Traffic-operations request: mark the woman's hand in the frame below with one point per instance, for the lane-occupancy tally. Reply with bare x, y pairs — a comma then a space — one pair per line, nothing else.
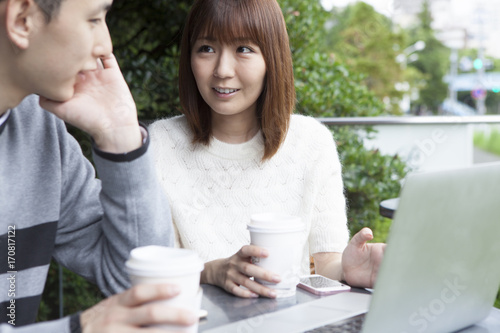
235, 272
358, 265
361, 260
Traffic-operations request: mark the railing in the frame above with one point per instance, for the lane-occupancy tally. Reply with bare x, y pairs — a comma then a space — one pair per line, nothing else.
410, 120
425, 143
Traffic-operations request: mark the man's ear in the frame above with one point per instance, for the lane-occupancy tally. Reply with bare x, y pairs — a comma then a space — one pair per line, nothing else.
22, 19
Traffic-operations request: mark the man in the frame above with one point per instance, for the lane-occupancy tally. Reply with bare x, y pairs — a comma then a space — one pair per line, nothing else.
51, 205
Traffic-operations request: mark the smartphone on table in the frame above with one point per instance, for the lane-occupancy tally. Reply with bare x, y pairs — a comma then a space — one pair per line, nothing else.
320, 285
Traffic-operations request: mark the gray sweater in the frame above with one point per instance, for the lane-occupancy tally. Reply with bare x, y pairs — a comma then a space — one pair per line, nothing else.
51, 205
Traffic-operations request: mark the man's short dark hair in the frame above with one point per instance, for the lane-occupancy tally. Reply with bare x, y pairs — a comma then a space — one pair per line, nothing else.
48, 7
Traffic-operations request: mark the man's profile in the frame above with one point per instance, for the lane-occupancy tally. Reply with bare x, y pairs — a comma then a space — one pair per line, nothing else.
51, 204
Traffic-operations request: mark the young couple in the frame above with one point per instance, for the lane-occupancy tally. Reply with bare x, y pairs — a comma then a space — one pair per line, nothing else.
237, 150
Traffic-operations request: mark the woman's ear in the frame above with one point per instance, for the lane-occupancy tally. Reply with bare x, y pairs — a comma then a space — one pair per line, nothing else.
22, 18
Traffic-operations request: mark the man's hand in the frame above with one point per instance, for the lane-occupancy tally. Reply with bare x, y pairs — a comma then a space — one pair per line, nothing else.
361, 260
102, 106
129, 311
235, 271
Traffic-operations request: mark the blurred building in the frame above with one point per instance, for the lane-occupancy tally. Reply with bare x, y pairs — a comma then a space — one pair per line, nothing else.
458, 23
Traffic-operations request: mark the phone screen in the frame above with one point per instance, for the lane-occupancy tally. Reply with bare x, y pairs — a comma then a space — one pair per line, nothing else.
320, 282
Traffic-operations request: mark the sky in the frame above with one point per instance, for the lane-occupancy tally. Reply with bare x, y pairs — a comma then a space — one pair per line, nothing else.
479, 18
382, 6
386, 7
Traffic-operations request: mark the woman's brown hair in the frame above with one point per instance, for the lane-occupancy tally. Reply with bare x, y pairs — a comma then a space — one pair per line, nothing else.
262, 22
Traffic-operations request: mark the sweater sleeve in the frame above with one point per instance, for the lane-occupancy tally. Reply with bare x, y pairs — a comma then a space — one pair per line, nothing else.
102, 220
329, 232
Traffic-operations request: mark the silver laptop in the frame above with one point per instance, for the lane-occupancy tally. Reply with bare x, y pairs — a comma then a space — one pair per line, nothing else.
441, 268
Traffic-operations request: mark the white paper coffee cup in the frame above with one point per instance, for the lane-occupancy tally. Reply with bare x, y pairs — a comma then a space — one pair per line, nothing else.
281, 236
182, 267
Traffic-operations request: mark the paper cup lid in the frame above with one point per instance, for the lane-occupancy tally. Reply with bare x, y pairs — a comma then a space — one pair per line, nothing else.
275, 222
161, 261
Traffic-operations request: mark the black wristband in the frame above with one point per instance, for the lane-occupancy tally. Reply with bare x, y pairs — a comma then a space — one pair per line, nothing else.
126, 157
74, 323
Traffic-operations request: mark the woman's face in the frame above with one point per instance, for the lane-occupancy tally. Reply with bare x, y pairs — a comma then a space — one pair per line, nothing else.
230, 77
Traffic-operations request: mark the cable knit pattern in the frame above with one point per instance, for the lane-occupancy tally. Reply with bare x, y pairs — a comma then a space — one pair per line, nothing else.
214, 189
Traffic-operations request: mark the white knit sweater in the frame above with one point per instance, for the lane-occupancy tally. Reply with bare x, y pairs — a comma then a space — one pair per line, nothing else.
214, 189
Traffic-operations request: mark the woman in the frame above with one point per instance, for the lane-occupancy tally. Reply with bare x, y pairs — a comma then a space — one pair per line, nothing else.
238, 150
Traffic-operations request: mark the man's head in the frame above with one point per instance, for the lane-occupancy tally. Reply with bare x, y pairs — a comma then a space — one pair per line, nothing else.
45, 44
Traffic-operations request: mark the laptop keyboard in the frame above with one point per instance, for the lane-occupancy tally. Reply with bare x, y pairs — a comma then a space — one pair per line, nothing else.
351, 325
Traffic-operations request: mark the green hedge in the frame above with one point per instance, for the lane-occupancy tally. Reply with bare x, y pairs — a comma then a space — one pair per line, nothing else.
488, 141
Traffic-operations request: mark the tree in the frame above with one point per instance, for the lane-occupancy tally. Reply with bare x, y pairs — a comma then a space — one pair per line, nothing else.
365, 41
433, 62
327, 87
146, 38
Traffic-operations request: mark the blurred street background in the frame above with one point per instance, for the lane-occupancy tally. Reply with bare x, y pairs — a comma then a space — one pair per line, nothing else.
467, 29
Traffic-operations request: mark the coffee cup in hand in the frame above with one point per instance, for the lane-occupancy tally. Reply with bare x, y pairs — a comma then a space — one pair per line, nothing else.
181, 267
282, 236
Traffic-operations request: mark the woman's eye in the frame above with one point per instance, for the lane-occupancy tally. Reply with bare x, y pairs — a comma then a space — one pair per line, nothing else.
244, 49
205, 49
95, 21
